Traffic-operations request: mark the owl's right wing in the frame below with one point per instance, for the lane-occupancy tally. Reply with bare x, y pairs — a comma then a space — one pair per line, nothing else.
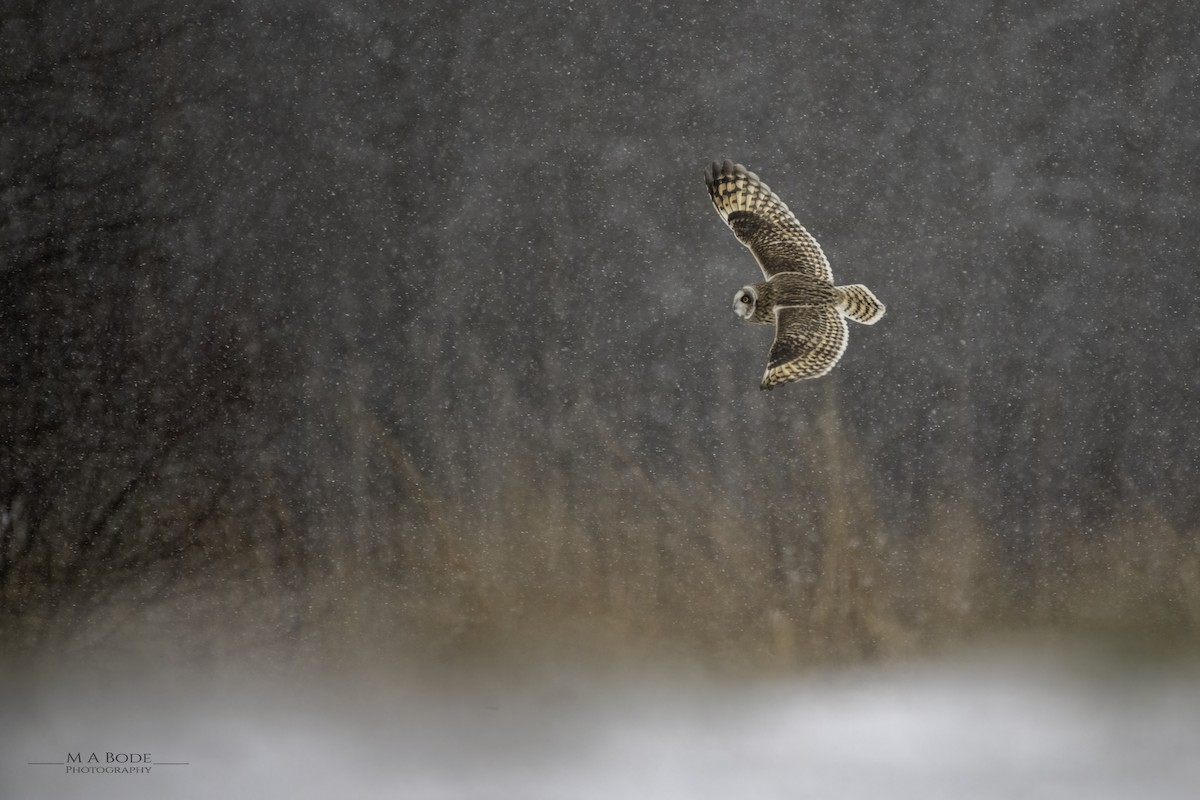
762, 222
808, 343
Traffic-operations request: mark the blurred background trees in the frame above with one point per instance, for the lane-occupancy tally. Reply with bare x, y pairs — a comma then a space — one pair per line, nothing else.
130, 388
423, 311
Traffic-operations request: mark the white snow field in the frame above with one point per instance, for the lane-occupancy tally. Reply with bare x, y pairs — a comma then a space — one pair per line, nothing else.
986, 726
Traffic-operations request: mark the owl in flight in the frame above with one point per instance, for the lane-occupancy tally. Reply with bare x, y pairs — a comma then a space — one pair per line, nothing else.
798, 296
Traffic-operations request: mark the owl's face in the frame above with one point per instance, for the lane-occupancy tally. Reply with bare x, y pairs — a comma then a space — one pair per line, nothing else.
745, 301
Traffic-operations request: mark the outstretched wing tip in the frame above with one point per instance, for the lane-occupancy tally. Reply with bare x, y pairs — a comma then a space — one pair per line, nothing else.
778, 376
763, 222
720, 169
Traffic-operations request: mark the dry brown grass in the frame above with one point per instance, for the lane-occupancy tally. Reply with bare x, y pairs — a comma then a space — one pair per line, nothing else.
653, 570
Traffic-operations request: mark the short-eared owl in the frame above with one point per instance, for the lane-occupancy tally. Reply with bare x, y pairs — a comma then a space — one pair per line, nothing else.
798, 297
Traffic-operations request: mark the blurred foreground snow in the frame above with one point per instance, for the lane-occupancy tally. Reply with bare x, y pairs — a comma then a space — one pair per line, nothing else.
988, 726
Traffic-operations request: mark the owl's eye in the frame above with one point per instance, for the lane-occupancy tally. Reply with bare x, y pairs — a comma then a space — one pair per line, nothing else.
746, 299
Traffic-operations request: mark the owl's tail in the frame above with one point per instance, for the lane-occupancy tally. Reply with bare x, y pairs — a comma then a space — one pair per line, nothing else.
857, 303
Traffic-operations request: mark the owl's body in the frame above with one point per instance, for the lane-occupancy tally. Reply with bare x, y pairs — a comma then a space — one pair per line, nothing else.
758, 302
799, 297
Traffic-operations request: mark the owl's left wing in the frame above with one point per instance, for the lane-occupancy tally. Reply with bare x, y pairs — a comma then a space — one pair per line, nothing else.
762, 222
808, 343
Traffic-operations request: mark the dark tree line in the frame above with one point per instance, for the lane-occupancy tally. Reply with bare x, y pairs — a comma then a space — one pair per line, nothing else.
126, 389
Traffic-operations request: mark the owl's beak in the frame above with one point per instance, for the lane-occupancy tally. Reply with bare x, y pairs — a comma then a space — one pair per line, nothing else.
740, 308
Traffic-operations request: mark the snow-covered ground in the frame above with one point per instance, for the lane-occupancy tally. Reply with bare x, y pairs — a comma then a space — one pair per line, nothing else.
986, 726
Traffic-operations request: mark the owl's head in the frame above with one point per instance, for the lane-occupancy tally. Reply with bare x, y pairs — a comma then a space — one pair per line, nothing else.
745, 301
